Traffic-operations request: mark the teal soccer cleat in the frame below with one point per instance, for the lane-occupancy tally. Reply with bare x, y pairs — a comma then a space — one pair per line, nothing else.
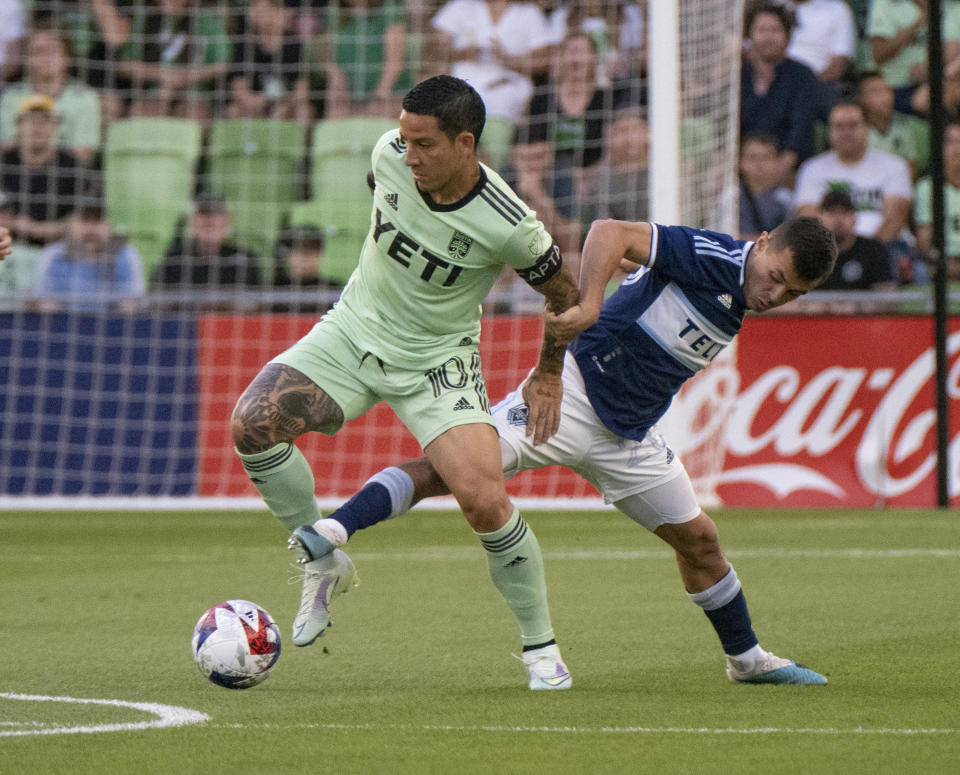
771, 669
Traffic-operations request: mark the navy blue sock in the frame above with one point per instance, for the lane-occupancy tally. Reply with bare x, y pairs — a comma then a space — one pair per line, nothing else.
732, 623
368, 507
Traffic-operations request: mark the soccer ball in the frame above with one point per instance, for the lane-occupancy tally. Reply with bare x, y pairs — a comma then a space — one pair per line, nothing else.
236, 644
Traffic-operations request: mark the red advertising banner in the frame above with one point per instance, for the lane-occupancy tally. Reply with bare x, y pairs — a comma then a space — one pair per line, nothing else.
800, 412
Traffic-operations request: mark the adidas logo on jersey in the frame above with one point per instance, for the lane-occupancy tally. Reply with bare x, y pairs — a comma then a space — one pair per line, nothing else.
462, 404
725, 299
391, 199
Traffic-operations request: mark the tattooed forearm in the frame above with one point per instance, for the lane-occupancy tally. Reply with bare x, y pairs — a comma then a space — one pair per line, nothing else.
278, 406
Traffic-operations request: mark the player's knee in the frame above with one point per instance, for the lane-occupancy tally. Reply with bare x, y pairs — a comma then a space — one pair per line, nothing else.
699, 542
252, 431
486, 510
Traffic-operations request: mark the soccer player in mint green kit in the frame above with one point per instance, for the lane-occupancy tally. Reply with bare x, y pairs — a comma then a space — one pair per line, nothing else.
406, 331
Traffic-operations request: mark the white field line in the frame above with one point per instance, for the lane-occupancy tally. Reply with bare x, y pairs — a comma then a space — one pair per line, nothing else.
165, 716
629, 730
462, 552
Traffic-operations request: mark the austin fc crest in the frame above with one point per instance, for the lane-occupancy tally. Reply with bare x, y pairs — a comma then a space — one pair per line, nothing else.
459, 246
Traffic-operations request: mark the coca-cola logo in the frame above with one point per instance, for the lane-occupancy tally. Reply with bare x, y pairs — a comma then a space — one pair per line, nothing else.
838, 428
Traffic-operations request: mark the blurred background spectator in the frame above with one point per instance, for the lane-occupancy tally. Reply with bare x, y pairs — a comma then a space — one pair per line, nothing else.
298, 268
366, 57
204, 257
91, 270
496, 45
764, 203
824, 39
176, 54
76, 104
39, 180
617, 30
890, 130
562, 140
877, 182
778, 96
619, 188
951, 204
266, 78
13, 26
862, 263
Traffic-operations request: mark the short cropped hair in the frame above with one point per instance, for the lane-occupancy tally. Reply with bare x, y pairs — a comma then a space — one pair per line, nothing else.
812, 244
452, 101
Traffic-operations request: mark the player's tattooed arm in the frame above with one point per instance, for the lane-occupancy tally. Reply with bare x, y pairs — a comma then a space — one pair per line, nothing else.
543, 391
278, 406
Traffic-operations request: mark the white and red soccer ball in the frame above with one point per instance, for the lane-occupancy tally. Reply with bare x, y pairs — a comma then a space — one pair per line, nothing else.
236, 644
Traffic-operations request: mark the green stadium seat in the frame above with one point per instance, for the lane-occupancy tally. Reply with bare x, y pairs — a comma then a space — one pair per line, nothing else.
256, 165
340, 156
256, 160
149, 172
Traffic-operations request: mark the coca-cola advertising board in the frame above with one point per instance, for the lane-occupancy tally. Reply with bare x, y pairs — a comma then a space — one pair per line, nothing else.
820, 412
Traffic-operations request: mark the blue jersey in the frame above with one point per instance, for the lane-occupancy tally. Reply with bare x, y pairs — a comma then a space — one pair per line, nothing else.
667, 321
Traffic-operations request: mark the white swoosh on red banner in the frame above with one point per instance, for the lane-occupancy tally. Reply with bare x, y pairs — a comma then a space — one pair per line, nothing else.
782, 478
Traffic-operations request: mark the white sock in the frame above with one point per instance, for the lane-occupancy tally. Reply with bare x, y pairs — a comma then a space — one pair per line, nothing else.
332, 530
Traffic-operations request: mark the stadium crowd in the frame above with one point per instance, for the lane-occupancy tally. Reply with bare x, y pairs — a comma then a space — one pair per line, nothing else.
155, 146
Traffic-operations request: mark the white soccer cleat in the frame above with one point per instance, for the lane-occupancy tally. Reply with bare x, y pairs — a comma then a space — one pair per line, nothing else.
546, 670
771, 669
323, 580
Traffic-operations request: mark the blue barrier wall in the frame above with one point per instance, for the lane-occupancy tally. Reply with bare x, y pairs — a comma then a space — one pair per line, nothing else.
98, 405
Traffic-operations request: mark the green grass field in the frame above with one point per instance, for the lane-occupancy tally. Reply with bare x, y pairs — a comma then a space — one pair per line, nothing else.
417, 675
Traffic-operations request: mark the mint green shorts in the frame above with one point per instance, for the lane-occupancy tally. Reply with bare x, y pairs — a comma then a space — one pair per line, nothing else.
428, 402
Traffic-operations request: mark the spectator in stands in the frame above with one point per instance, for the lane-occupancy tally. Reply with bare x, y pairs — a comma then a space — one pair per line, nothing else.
922, 205
497, 46
176, 55
562, 140
620, 189
204, 258
878, 182
778, 96
91, 270
17, 267
764, 204
824, 39
266, 78
890, 130
13, 26
617, 30
862, 263
898, 40
39, 180
299, 258
76, 104
367, 45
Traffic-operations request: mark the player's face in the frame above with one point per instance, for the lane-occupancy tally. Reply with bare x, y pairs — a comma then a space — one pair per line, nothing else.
770, 279
437, 162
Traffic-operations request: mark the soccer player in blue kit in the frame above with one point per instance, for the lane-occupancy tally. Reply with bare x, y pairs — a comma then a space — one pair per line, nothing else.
682, 303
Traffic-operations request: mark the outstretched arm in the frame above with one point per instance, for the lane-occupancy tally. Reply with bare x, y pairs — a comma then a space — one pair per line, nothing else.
608, 244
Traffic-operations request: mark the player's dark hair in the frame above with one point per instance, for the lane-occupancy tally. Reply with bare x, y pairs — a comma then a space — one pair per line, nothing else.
812, 244
452, 101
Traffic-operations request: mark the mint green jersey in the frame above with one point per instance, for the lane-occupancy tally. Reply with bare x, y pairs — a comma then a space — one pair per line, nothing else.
922, 212
425, 268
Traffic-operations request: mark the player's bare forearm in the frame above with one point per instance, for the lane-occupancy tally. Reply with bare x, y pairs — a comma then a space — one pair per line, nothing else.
543, 391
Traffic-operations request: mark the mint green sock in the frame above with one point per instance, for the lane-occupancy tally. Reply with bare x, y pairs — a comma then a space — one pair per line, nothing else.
516, 567
284, 479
